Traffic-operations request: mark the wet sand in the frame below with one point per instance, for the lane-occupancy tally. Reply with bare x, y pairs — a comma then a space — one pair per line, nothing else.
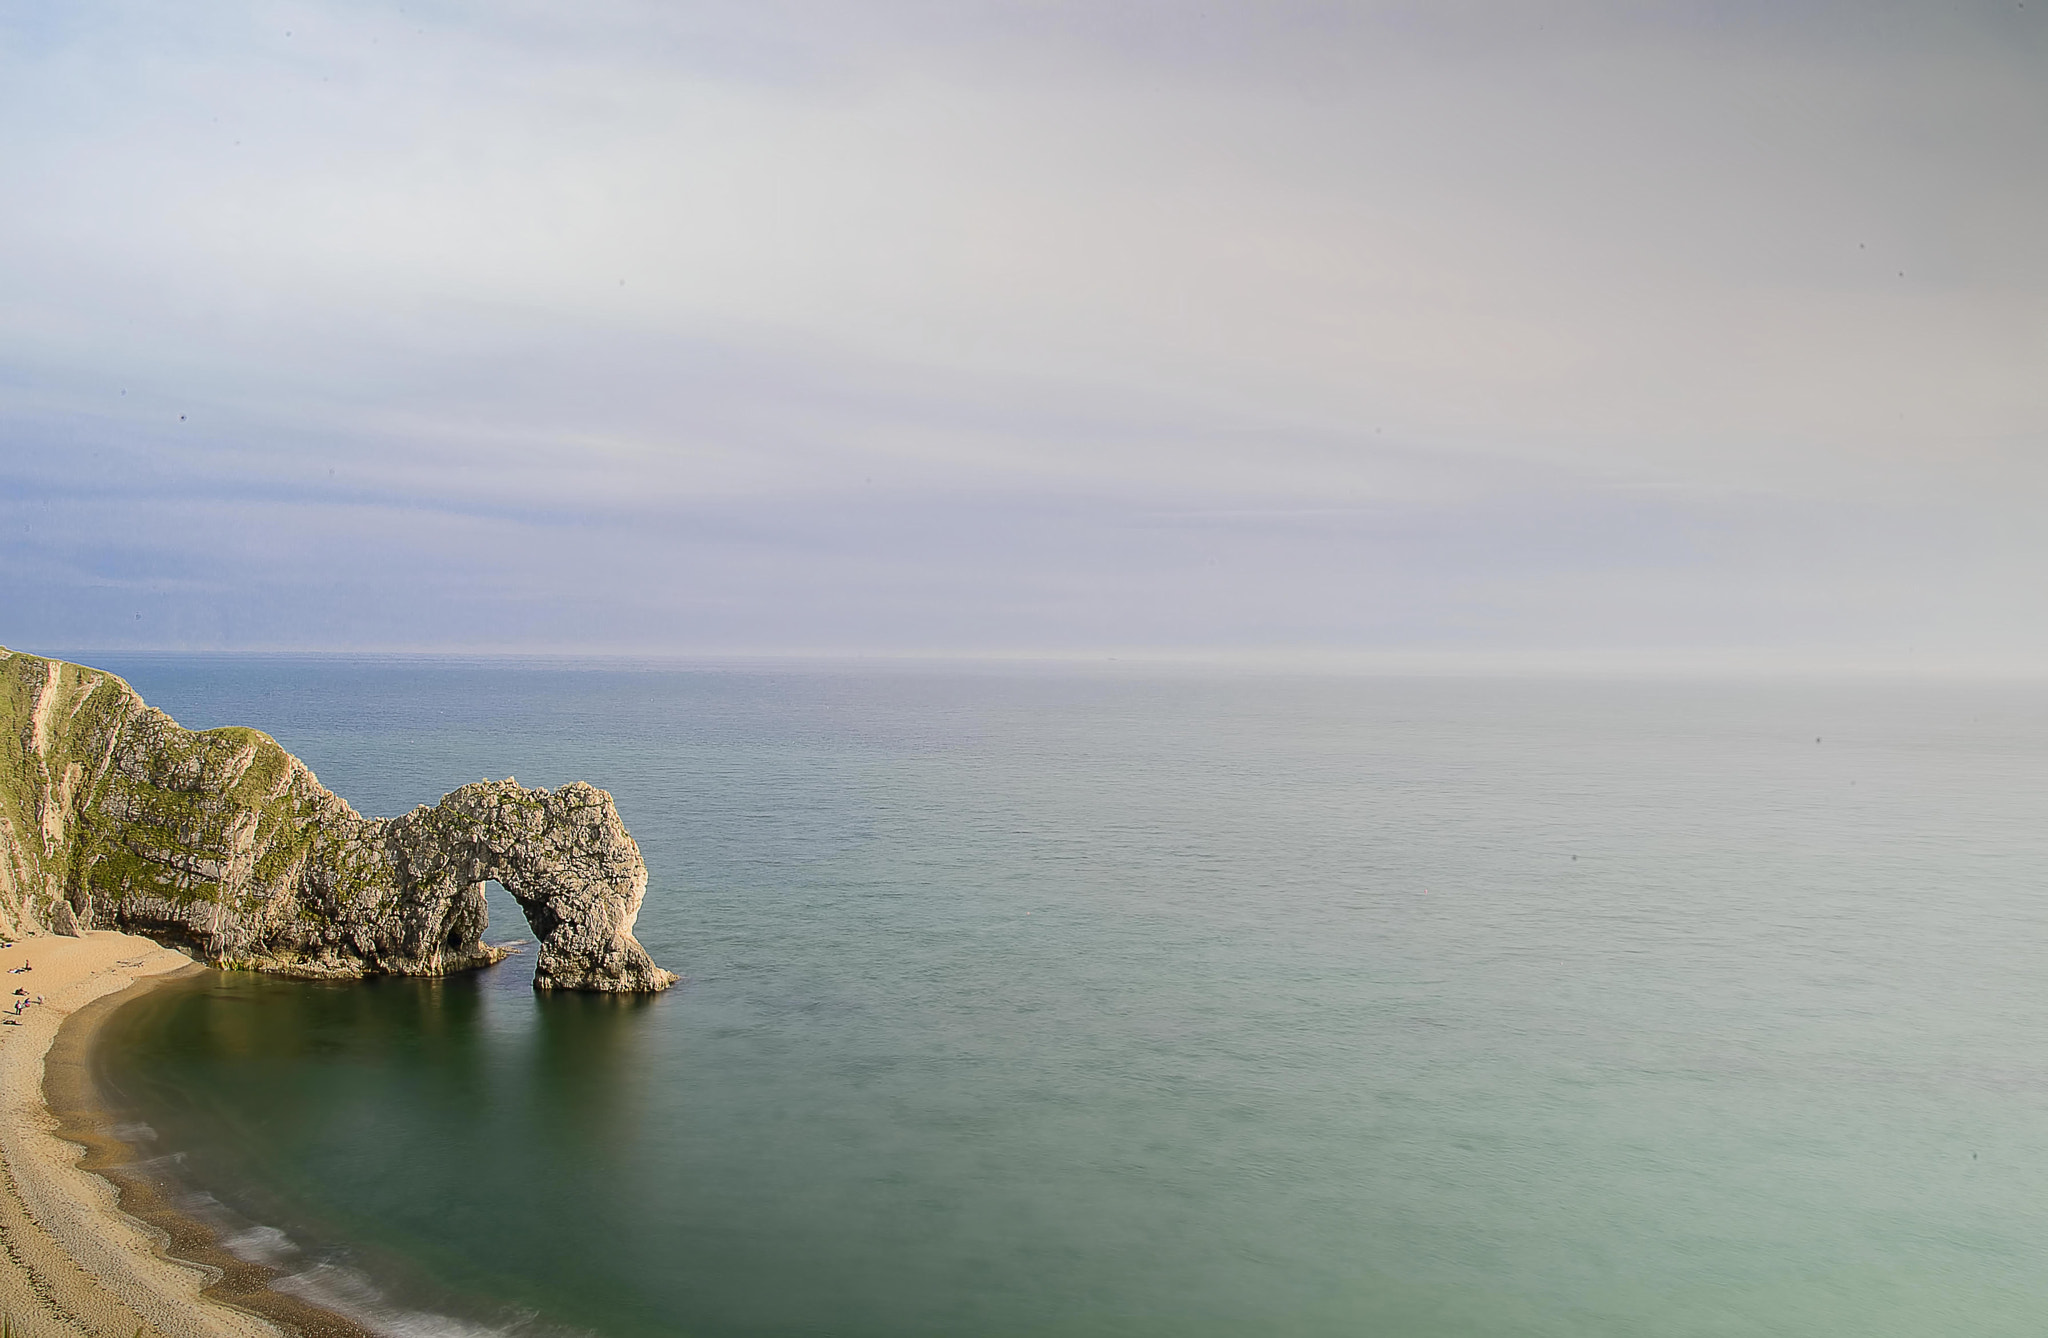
74, 1258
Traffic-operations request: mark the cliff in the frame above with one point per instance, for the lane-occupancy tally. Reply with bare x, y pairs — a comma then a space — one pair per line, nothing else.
222, 843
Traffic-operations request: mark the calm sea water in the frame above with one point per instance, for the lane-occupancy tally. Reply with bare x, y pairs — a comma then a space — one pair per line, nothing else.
1059, 1005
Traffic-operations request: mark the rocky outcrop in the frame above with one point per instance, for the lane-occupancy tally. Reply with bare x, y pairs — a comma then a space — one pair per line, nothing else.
222, 843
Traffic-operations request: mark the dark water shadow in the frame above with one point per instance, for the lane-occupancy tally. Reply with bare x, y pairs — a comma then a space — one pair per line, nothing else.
399, 1137
145, 1186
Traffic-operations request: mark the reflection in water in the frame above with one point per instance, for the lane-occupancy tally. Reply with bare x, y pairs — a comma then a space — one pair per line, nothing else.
587, 1066
269, 1094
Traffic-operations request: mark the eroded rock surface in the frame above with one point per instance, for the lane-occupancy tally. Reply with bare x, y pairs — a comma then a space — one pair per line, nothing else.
220, 842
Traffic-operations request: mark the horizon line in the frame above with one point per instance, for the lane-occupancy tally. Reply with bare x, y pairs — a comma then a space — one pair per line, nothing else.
1738, 663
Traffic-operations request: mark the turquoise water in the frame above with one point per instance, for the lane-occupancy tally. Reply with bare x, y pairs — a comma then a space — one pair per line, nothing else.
1068, 1005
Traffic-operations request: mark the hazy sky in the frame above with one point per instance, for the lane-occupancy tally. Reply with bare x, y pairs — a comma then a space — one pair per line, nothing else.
1711, 332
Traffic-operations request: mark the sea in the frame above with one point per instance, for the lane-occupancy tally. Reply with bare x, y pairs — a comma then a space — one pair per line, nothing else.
1054, 1002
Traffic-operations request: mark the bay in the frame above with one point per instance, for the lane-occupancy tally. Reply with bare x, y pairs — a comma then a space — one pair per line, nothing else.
1059, 1003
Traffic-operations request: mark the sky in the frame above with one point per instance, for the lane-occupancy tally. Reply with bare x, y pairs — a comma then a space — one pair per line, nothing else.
1694, 335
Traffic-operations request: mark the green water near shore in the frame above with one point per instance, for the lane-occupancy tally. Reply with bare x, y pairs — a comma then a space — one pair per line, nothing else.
1069, 1006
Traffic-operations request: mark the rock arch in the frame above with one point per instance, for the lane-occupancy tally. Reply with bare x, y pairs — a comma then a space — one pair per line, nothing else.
220, 842
564, 856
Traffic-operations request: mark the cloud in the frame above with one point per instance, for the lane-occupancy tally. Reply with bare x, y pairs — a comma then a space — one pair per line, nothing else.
1033, 276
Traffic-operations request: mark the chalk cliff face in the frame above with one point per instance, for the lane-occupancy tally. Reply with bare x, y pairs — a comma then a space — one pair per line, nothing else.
222, 843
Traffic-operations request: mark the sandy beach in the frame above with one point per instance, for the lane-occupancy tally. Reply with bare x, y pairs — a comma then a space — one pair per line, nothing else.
73, 1263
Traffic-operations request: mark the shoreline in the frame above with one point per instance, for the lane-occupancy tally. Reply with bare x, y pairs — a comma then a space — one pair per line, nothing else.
90, 1246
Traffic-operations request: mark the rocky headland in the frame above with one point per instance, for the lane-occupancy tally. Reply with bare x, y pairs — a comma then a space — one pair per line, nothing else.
222, 844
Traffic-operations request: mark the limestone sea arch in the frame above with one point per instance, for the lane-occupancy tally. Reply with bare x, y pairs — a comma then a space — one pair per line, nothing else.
220, 842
